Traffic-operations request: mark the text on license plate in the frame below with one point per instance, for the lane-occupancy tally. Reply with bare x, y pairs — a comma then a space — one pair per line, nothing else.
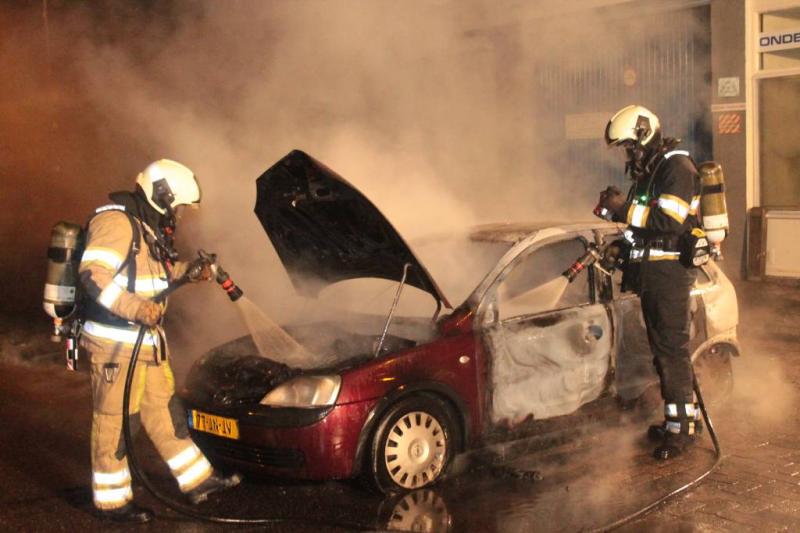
216, 425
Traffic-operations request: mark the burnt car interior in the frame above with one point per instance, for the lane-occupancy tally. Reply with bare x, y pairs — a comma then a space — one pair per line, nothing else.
550, 343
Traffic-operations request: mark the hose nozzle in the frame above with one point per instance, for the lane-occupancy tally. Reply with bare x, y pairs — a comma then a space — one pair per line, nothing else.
222, 277
588, 259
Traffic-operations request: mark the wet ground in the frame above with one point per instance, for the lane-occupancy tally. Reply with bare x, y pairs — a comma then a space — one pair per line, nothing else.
595, 475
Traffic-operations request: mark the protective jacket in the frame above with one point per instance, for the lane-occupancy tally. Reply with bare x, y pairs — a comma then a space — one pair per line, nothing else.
661, 208
119, 274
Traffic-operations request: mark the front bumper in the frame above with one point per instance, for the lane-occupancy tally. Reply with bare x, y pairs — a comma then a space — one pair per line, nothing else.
299, 443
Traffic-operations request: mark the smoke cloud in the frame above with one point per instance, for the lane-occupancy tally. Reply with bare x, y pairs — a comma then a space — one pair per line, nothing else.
445, 114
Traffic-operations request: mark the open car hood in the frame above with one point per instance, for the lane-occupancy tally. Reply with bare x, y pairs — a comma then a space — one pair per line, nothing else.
323, 228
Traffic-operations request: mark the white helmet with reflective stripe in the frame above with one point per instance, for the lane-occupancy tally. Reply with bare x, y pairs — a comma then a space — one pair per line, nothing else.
633, 123
167, 184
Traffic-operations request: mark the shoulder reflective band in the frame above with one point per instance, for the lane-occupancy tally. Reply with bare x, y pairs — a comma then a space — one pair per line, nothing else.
110, 207
674, 206
676, 152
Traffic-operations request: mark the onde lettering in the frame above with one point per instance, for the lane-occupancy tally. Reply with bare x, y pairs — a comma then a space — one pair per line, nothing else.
778, 40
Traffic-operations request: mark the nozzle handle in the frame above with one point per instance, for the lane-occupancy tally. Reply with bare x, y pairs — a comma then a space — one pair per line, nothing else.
581, 263
222, 277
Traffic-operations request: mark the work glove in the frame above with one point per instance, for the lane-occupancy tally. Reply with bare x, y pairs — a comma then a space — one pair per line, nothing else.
199, 270
149, 313
613, 200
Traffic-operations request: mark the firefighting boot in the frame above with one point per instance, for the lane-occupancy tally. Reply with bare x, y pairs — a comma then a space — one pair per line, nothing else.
130, 513
679, 431
215, 483
656, 432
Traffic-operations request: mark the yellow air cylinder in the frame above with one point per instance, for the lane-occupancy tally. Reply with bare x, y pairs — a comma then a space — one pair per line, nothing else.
66, 244
712, 202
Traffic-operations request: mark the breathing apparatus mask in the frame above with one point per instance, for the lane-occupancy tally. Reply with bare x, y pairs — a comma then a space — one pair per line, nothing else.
637, 154
163, 197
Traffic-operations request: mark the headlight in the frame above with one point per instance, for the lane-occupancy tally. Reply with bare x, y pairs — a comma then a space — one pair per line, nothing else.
305, 391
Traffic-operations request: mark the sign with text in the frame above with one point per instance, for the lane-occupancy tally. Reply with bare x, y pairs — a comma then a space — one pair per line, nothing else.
779, 40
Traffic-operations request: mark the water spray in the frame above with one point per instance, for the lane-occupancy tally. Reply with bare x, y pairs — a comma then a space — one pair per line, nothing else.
234, 293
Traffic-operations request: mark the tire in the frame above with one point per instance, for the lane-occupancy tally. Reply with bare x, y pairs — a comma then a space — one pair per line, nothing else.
420, 510
714, 371
413, 444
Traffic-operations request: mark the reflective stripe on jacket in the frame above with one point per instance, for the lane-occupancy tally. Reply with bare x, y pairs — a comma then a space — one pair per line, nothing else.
107, 245
663, 207
116, 334
675, 196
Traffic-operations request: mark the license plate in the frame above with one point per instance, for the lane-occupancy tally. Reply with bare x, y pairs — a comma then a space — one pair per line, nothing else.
216, 425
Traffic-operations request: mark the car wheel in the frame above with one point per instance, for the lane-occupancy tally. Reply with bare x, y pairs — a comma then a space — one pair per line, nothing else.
714, 371
413, 444
420, 510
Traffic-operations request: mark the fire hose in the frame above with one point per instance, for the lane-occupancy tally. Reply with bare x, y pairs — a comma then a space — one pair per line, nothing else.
234, 293
680, 490
593, 256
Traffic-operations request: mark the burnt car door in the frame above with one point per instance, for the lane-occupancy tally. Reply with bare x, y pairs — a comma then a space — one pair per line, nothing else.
549, 340
632, 360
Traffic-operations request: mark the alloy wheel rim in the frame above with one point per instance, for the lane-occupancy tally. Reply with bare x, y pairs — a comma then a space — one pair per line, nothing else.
421, 510
415, 450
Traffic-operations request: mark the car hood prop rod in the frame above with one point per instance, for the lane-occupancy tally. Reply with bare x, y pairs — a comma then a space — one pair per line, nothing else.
391, 311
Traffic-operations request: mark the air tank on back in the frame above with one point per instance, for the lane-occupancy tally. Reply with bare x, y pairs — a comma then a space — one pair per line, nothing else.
713, 208
66, 246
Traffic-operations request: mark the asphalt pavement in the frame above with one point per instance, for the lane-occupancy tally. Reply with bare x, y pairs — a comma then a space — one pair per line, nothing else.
601, 473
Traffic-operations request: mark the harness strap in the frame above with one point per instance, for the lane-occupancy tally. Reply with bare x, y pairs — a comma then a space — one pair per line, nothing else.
96, 312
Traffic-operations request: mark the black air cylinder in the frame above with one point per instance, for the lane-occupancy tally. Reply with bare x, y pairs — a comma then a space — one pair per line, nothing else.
66, 246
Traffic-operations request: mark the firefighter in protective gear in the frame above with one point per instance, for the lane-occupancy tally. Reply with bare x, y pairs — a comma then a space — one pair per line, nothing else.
129, 258
660, 209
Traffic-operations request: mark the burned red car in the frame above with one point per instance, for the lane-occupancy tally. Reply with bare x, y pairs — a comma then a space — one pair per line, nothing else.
395, 399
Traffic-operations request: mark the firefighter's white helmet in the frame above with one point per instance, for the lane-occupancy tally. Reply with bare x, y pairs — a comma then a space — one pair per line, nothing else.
168, 184
633, 123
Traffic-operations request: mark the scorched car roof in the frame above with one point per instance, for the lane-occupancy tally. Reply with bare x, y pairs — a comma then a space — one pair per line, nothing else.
513, 232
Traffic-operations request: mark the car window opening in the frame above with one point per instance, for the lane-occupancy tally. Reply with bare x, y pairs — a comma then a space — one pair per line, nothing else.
535, 284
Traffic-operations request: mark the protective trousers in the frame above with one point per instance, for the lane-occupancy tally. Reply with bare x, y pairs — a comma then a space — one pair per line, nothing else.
154, 405
665, 288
